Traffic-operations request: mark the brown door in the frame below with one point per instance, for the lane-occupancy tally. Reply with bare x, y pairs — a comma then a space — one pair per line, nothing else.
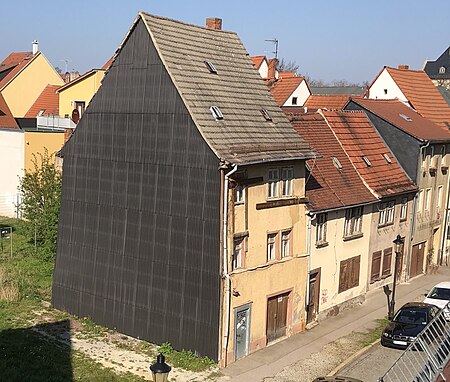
417, 256
276, 316
314, 290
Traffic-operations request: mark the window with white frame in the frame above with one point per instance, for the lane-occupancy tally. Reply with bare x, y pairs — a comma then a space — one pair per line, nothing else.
287, 176
439, 198
238, 253
239, 194
386, 214
286, 243
442, 70
273, 180
271, 246
353, 221
321, 228
427, 199
404, 209
420, 201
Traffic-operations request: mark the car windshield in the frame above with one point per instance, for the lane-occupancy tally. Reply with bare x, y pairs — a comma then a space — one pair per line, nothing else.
411, 316
439, 294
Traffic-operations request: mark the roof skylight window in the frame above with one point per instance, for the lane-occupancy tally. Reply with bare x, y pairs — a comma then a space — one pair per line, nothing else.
405, 117
385, 156
367, 161
217, 114
266, 114
336, 163
211, 67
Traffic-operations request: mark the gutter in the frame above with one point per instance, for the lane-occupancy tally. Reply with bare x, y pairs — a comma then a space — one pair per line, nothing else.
225, 274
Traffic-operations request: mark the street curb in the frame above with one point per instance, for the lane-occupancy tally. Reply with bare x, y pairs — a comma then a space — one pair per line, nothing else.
352, 358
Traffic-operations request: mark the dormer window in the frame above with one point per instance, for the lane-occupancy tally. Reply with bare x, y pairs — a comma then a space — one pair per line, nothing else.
367, 161
210, 67
217, 114
266, 115
442, 70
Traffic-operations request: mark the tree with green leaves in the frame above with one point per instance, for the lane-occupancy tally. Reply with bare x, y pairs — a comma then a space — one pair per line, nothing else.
40, 191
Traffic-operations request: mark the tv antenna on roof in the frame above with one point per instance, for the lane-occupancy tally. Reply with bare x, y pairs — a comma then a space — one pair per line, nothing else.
66, 61
275, 42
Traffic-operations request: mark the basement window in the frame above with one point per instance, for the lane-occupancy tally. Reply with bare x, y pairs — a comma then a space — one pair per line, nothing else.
405, 117
336, 163
266, 115
385, 156
217, 114
210, 67
367, 161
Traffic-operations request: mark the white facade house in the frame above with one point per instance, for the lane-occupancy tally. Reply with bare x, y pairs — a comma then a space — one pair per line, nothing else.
384, 87
298, 96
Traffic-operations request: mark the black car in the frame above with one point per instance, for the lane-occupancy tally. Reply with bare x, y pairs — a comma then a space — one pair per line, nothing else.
407, 323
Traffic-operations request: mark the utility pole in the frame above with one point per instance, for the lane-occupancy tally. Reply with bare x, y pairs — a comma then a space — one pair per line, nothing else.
66, 62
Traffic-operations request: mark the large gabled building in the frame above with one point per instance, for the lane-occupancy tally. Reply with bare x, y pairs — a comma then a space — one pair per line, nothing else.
183, 202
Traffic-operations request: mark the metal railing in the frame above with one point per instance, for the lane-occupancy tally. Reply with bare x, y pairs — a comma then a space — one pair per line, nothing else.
426, 356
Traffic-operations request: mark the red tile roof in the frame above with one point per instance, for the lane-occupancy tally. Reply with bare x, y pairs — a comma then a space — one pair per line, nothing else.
257, 60
48, 101
7, 121
284, 87
360, 139
414, 124
108, 63
327, 187
12, 62
286, 74
422, 94
327, 101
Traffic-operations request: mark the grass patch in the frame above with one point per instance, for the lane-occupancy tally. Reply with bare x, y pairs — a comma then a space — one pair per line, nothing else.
373, 335
185, 359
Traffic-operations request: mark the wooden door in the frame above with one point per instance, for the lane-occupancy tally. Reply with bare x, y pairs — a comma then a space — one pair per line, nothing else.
277, 316
417, 257
314, 292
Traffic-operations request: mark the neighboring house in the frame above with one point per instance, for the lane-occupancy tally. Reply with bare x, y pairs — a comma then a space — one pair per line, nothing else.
23, 77
357, 206
262, 65
336, 90
422, 148
290, 91
439, 70
326, 101
415, 89
183, 200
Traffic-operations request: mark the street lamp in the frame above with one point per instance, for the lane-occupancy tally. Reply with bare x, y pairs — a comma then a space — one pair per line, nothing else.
398, 242
160, 370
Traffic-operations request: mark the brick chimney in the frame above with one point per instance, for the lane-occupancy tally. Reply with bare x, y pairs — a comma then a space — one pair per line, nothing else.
214, 23
403, 67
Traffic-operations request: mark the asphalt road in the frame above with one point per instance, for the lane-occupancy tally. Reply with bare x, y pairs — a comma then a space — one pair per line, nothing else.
372, 364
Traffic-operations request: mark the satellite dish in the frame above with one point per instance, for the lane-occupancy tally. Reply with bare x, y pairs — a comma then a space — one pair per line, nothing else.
75, 116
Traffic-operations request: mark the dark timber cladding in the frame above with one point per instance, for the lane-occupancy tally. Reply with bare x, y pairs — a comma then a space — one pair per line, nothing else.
138, 244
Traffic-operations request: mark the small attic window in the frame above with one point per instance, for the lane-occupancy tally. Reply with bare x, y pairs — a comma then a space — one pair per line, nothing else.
367, 161
217, 114
336, 163
210, 67
385, 156
266, 115
405, 117
294, 100
441, 70
385, 91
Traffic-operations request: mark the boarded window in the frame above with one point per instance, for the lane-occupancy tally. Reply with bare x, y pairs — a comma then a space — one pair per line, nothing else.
387, 261
376, 266
349, 273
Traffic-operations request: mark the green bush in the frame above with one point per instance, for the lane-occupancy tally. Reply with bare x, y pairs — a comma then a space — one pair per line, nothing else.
184, 359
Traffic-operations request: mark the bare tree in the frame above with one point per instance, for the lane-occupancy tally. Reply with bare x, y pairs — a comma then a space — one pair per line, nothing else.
287, 66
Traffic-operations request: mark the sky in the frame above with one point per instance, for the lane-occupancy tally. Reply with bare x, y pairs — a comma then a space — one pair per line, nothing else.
328, 39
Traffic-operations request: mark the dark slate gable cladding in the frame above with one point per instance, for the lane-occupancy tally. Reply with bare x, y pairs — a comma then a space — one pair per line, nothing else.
432, 67
138, 243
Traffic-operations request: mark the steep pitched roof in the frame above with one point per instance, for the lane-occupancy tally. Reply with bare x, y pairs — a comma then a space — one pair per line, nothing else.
7, 121
15, 63
369, 154
243, 135
328, 187
258, 60
432, 68
403, 117
48, 102
284, 87
421, 94
327, 101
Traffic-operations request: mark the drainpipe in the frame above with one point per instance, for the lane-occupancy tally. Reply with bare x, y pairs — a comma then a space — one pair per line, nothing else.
225, 275
445, 230
311, 218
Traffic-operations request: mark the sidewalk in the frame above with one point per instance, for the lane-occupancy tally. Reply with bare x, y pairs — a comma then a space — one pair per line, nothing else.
273, 359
